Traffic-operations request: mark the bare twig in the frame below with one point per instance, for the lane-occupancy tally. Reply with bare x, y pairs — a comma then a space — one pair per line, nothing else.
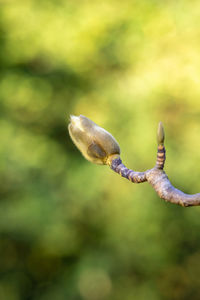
99, 146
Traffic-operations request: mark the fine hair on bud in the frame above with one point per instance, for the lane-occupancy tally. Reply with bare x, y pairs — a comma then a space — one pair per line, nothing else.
95, 143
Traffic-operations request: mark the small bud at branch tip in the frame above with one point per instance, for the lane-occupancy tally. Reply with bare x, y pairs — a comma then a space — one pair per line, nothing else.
160, 134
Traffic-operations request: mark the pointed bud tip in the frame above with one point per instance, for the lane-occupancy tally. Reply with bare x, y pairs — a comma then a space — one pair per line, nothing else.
160, 134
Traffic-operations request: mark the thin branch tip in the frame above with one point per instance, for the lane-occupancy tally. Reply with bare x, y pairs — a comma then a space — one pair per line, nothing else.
100, 147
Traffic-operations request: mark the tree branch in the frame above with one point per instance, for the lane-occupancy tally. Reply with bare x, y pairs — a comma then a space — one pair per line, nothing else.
99, 146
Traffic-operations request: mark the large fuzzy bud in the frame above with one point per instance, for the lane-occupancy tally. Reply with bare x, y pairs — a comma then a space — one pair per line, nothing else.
95, 143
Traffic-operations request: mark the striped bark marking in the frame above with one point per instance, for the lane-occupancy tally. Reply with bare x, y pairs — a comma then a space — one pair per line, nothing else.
129, 174
160, 161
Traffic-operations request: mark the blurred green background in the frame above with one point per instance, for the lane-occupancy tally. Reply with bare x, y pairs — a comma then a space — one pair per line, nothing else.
70, 229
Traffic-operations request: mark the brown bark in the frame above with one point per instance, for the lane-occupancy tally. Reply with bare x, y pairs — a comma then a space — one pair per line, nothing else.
165, 190
159, 181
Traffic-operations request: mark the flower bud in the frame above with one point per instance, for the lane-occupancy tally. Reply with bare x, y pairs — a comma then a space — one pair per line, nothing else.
94, 142
160, 134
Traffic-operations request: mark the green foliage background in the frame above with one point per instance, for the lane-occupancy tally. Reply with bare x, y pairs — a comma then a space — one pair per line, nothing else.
70, 229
